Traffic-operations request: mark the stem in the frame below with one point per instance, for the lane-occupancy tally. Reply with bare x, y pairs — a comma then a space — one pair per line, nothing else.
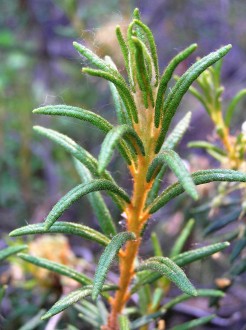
134, 224
136, 216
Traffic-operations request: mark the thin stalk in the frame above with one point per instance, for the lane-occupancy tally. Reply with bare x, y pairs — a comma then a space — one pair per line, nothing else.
136, 217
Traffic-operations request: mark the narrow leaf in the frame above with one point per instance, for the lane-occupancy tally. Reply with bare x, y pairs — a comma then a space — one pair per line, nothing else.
75, 112
112, 139
182, 238
170, 143
124, 322
232, 106
61, 227
143, 71
156, 245
79, 191
166, 267
119, 106
178, 132
9, 251
174, 162
199, 177
122, 89
194, 323
97, 203
70, 146
2, 292
146, 319
72, 298
106, 259
217, 224
152, 46
56, 267
200, 293
167, 75
182, 260
198, 254
206, 145
175, 96
238, 248
123, 46
93, 58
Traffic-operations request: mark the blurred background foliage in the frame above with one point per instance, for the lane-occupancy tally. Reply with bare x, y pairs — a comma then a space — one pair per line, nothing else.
39, 66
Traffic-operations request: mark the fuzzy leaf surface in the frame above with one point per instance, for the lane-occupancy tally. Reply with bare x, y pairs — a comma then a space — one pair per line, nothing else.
166, 267
70, 146
181, 87
182, 260
75, 112
79, 191
174, 162
198, 254
61, 227
97, 203
122, 89
166, 77
199, 177
112, 139
56, 267
106, 259
72, 298
178, 132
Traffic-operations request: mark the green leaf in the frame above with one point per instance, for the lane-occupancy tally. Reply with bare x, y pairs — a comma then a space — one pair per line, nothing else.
222, 221
70, 146
152, 46
199, 177
124, 322
182, 238
200, 98
238, 248
146, 319
34, 322
61, 227
112, 139
56, 267
200, 293
232, 106
122, 89
79, 191
9, 251
72, 298
171, 158
106, 259
123, 46
182, 260
206, 145
93, 58
97, 203
194, 323
156, 245
75, 112
122, 117
2, 292
166, 267
170, 143
178, 132
181, 87
166, 76
143, 70
198, 254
